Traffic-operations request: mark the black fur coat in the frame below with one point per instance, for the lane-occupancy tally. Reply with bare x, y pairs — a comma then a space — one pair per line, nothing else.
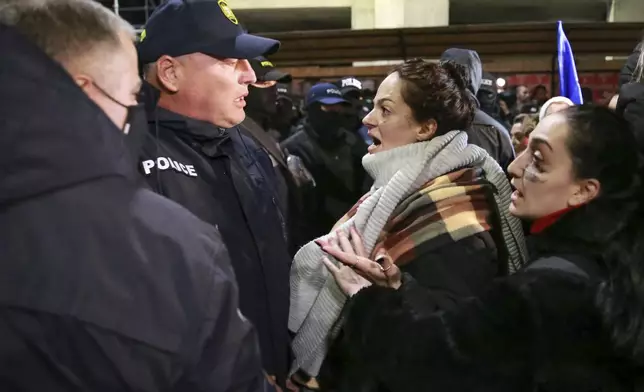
538, 330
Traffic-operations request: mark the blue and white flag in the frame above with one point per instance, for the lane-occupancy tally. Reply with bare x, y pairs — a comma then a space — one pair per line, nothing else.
568, 81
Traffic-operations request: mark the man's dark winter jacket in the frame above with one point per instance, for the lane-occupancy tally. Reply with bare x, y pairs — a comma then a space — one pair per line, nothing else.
337, 169
491, 136
626, 73
225, 179
630, 104
485, 131
104, 286
287, 191
537, 330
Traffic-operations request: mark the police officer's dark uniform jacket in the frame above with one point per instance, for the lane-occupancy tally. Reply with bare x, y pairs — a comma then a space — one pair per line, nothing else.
220, 175
260, 106
223, 177
104, 286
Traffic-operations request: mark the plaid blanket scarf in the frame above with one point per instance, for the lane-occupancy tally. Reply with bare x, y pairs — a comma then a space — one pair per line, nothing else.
445, 210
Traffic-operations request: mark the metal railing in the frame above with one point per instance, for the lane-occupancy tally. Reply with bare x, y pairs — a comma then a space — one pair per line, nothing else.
135, 14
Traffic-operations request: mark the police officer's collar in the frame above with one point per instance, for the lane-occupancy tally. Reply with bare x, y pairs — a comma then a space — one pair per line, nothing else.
196, 129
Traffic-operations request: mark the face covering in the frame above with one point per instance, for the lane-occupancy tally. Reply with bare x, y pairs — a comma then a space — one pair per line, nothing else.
284, 116
329, 126
137, 122
261, 101
353, 120
135, 125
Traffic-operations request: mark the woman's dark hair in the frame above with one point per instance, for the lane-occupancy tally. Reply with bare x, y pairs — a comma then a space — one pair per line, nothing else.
603, 147
437, 91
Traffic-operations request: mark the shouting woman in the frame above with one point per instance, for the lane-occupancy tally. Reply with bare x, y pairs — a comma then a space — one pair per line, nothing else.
438, 208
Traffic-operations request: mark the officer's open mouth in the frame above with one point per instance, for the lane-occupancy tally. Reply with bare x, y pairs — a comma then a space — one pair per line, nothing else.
241, 101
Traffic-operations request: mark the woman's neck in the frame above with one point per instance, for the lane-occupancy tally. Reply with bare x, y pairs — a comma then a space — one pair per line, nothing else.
383, 165
545, 222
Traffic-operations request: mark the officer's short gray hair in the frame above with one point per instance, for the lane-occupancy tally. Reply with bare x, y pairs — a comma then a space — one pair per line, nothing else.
66, 30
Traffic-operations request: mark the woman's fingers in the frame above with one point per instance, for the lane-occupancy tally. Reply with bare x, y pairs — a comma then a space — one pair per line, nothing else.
384, 272
333, 269
361, 264
343, 257
368, 268
385, 261
345, 244
390, 270
357, 243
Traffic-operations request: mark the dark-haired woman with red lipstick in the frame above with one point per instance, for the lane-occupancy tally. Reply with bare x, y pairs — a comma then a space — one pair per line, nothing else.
572, 320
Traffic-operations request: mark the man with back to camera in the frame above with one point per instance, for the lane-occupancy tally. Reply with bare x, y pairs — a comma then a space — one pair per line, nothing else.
104, 286
195, 59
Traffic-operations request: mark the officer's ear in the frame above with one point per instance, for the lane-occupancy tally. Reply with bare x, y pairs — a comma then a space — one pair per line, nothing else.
168, 72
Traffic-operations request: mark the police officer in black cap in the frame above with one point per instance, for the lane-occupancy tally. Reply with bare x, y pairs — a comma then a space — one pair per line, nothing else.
288, 113
263, 95
260, 112
195, 58
489, 100
351, 89
332, 154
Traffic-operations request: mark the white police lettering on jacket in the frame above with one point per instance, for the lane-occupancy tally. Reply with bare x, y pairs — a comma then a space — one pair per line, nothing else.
163, 163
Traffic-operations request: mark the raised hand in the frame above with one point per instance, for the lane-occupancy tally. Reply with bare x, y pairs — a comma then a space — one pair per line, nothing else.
358, 271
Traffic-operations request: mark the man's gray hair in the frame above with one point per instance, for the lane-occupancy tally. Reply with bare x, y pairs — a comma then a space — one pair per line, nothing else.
65, 30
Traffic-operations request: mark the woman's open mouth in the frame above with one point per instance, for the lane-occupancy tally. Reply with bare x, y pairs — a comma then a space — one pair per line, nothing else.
516, 195
374, 146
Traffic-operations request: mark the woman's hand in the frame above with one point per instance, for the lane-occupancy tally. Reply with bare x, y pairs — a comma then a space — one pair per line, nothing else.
349, 280
358, 271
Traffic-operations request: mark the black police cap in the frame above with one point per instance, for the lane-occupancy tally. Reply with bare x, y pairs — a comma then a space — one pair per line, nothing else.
180, 27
